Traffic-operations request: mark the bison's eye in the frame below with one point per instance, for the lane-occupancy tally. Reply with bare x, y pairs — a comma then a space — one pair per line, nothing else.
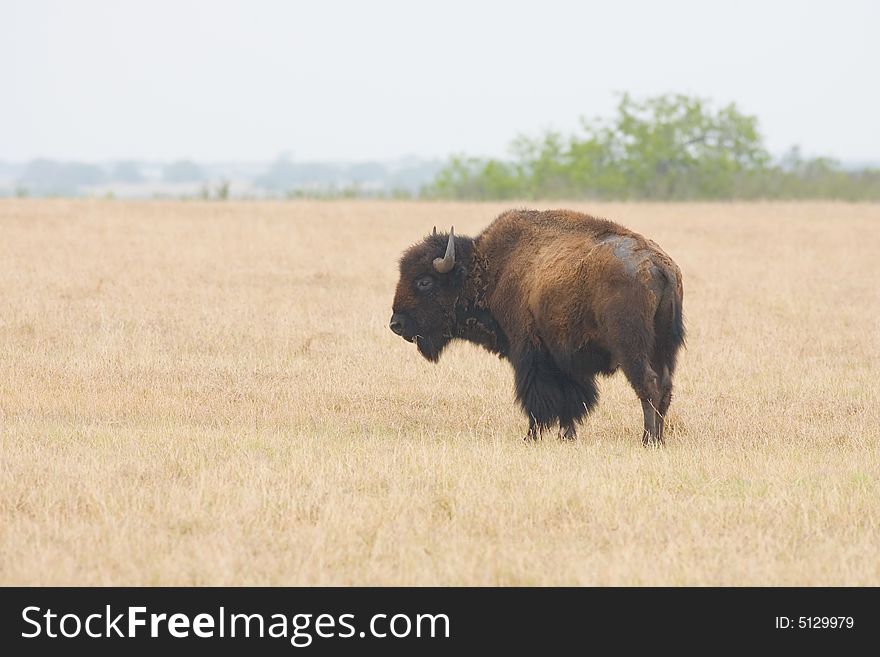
424, 283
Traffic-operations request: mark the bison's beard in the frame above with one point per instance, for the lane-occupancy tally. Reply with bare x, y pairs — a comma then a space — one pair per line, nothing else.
431, 346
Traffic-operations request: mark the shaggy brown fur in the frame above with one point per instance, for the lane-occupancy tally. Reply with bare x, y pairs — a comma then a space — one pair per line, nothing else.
564, 296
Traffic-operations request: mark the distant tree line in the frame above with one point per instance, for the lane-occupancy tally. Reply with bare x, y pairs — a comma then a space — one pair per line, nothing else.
62, 178
670, 147
352, 180
282, 178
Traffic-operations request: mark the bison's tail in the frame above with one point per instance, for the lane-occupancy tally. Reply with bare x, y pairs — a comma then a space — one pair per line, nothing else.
677, 330
669, 331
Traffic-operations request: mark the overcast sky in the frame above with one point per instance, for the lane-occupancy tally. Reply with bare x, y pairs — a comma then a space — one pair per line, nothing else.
249, 79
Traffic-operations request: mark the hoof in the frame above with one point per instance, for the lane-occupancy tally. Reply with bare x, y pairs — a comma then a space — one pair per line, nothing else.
569, 433
651, 441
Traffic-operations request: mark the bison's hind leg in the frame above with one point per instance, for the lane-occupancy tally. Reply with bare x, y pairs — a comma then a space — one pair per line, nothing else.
633, 347
645, 382
669, 338
665, 400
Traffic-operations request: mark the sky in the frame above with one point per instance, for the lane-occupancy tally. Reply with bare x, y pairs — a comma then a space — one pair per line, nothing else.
249, 80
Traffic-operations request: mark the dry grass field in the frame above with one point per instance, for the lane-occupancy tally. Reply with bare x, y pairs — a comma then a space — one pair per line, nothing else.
208, 393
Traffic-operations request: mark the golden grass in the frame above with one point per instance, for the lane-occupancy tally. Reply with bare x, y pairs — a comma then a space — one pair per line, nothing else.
198, 393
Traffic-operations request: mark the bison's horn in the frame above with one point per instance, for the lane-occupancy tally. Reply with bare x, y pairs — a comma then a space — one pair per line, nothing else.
445, 264
435, 230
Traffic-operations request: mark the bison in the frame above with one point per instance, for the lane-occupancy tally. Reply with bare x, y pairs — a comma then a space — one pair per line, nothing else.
563, 296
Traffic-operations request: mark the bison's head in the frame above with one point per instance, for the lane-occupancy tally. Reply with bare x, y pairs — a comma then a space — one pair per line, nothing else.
432, 274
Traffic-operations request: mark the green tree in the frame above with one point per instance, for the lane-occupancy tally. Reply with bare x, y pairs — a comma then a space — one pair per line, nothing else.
671, 146
678, 147
471, 178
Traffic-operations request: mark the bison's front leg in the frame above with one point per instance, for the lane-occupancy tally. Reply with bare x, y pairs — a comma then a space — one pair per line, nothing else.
548, 394
567, 431
534, 431
536, 389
